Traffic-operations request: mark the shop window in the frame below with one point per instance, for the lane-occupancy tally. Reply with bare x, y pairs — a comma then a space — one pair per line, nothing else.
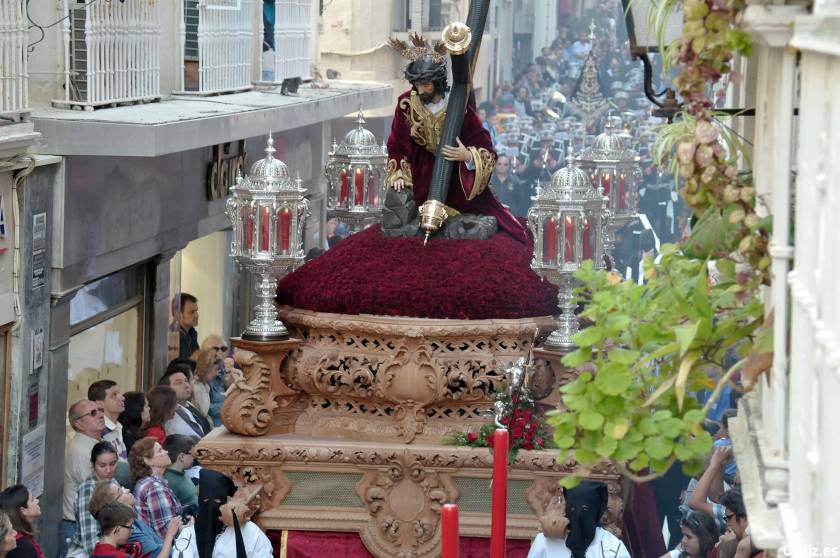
110, 350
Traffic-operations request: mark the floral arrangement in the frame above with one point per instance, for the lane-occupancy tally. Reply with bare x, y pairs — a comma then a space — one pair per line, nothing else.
522, 419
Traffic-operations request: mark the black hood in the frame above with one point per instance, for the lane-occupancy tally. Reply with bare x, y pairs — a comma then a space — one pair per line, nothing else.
214, 489
585, 505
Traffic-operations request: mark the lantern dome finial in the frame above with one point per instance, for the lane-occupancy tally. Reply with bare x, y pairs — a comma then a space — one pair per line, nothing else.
269, 173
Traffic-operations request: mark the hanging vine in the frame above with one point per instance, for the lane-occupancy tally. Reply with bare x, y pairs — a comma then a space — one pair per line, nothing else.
697, 321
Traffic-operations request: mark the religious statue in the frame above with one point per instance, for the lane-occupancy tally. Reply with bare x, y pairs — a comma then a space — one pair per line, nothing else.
578, 534
416, 135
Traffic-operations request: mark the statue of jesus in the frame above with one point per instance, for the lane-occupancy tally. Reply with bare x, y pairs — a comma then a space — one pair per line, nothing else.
415, 135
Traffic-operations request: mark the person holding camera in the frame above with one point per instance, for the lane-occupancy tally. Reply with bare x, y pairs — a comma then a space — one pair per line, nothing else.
155, 502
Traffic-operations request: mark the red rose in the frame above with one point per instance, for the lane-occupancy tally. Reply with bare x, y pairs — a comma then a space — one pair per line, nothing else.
528, 446
472, 437
527, 414
505, 421
516, 432
490, 441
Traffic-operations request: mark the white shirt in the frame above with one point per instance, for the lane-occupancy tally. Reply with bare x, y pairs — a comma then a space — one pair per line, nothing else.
114, 435
179, 426
257, 544
77, 468
604, 545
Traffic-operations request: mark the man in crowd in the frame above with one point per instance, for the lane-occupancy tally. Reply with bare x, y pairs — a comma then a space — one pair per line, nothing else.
108, 394
509, 189
184, 321
88, 420
187, 420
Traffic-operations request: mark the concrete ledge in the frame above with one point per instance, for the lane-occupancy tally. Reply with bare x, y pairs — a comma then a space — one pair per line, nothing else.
765, 519
181, 123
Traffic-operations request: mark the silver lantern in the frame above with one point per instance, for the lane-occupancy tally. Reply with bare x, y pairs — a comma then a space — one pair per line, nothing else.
267, 209
568, 220
355, 174
613, 166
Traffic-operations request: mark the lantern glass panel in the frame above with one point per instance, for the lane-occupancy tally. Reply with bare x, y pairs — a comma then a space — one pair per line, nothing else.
264, 214
344, 189
549, 240
589, 240
247, 227
571, 232
284, 230
372, 193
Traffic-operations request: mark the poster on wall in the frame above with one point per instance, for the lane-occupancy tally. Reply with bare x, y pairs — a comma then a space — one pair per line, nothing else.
39, 250
32, 461
3, 247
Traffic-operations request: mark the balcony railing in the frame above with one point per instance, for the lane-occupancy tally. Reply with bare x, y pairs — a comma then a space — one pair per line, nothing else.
111, 53
217, 41
14, 94
287, 56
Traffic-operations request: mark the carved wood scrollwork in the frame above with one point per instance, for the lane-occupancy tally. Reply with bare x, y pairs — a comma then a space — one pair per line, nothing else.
404, 500
258, 489
249, 402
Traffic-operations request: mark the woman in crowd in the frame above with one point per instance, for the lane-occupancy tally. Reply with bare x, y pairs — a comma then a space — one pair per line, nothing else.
204, 394
147, 542
134, 418
699, 536
23, 510
7, 535
155, 502
103, 458
162, 405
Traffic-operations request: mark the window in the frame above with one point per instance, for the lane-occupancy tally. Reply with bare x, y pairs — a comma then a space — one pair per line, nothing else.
401, 15
435, 15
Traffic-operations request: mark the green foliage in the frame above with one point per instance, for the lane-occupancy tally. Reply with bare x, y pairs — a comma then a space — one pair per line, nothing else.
650, 347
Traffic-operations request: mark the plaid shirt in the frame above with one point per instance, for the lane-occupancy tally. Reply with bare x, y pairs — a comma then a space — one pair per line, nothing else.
87, 528
155, 503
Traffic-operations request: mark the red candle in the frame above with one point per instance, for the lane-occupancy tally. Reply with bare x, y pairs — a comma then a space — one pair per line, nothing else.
248, 227
360, 187
285, 228
498, 519
569, 241
587, 241
622, 191
264, 228
449, 531
342, 197
550, 241
605, 183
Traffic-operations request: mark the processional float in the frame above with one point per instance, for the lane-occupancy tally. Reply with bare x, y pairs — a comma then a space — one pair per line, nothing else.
346, 423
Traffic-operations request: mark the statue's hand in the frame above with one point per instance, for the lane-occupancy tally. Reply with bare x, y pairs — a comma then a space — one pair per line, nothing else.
398, 185
459, 153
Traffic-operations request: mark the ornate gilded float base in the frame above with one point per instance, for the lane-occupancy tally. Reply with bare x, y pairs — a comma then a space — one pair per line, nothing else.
400, 379
389, 493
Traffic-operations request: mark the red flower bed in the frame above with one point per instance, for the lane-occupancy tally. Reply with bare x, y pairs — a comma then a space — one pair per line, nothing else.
455, 279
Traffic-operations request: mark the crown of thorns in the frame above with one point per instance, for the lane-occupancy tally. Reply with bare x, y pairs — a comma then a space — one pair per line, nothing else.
418, 48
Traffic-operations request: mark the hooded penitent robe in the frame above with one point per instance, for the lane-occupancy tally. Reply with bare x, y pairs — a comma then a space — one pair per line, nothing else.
414, 139
585, 504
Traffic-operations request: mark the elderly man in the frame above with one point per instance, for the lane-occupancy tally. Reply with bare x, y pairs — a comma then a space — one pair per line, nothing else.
87, 418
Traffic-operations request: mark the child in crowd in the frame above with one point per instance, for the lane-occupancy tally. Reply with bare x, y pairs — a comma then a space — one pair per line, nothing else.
179, 447
116, 522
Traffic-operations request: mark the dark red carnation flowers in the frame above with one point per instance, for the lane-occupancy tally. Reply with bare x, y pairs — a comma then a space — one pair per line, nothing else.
455, 279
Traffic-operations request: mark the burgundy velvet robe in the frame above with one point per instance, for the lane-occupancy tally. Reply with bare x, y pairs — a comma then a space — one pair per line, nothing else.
403, 148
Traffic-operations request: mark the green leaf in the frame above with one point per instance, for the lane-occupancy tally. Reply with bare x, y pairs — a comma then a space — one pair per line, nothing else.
648, 426
564, 442
694, 416
586, 457
640, 462
576, 402
693, 468
617, 323
663, 387
570, 481
623, 356
606, 446
672, 427
701, 443
659, 447
685, 336
588, 337
682, 452
577, 357
662, 414
575, 387
613, 379
590, 420
627, 450
682, 377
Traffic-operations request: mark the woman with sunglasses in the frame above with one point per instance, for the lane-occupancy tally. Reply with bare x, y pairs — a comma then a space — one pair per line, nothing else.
205, 397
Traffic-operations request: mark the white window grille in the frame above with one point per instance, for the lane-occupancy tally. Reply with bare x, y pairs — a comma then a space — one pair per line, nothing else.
14, 94
288, 57
216, 39
111, 52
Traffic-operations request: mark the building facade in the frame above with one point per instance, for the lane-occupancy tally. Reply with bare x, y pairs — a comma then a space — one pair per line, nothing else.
122, 130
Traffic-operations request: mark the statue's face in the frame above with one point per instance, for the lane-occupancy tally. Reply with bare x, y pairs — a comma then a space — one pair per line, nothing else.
426, 90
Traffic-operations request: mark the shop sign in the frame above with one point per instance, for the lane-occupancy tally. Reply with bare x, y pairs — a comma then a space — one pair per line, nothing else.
222, 170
